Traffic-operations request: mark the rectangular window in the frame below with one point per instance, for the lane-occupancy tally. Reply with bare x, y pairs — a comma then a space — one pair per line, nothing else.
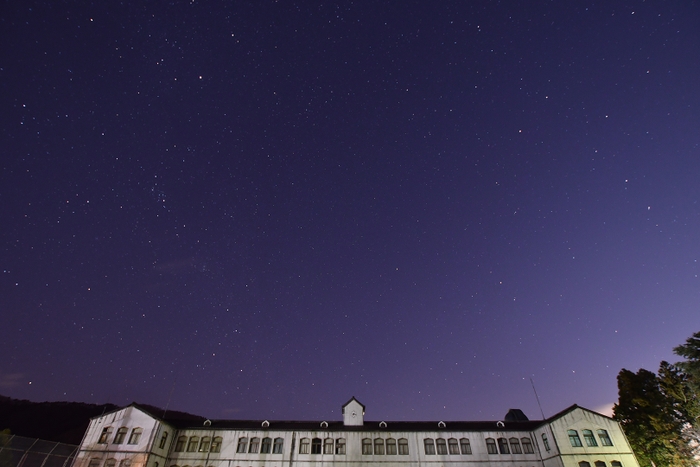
429, 446
465, 446
340, 446
121, 434
328, 446
106, 433
163, 440
604, 438
403, 447
545, 441
277, 446
589, 438
316, 446
574, 439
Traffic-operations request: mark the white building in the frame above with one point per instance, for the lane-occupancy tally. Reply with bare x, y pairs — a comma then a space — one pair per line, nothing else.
141, 436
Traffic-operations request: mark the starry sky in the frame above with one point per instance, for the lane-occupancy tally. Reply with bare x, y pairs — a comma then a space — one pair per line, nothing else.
261, 209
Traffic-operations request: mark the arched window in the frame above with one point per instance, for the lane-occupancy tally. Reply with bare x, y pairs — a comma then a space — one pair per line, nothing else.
110, 462
266, 446
180, 445
278, 446
328, 446
503, 446
599, 464
453, 446
545, 441
584, 464
589, 438
441, 446
366, 446
216, 444
515, 446
316, 446
135, 436
192, 444
429, 446
304, 444
254, 445
378, 446
491, 446
125, 463
242, 445
391, 446
574, 439
527, 445
205, 444
121, 434
604, 438
94, 462
616, 464
403, 447
340, 446
106, 434
465, 446
163, 440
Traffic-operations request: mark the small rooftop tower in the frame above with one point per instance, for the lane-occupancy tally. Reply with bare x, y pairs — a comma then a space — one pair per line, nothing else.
353, 413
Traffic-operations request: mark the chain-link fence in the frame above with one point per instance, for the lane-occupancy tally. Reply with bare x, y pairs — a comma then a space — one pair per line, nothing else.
18, 451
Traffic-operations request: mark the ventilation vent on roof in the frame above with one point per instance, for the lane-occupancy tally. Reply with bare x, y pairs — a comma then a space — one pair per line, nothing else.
382, 424
207, 422
441, 424
500, 424
324, 424
265, 424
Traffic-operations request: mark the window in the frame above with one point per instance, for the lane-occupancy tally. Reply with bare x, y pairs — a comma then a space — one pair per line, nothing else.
254, 445
328, 446
266, 446
304, 446
584, 464
574, 439
429, 446
106, 433
391, 446
378, 446
515, 446
277, 446
527, 445
366, 446
94, 462
545, 441
604, 438
135, 436
180, 445
163, 440
616, 464
589, 438
441, 446
453, 445
216, 444
125, 463
316, 446
491, 446
340, 446
599, 464
403, 447
204, 444
503, 446
121, 434
193, 443
465, 446
242, 445
110, 463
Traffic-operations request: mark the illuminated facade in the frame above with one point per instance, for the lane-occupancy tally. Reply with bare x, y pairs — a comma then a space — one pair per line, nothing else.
136, 436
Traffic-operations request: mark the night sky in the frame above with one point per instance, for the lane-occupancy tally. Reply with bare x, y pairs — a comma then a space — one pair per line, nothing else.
261, 209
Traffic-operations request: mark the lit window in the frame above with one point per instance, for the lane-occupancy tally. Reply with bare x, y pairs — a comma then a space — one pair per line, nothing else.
121, 434
254, 445
379, 446
135, 436
574, 439
453, 445
110, 463
429, 446
403, 447
604, 438
366, 446
465, 446
94, 462
328, 446
584, 464
106, 433
441, 446
527, 445
216, 444
491, 446
277, 446
266, 446
391, 446
340, 446
193, 443
180, 445
599, 464
304, 446
316, 446
590, 439
545, 441
515, 446
503, 446
242, 445
204, 444
163, 440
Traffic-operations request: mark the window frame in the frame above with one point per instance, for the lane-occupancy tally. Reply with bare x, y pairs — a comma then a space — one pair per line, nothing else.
266, 445
105, 435
528, 448
163, 440
491, 447
366, 446
391, 449
242, 446
429, 446
515, 447
403, 446
316, 446
254, 445
328, 446
574, 439
378, 444
278, 446
545, 441
135, 435
181, 444
465, 446
589, 438
216, 443
304, 445
193, 444
120, 435
605, 438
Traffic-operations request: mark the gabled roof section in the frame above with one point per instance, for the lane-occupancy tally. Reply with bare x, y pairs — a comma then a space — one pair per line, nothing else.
353, 399
173, 417
574, 407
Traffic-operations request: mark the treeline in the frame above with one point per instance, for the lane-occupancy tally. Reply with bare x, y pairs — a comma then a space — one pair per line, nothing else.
660, 412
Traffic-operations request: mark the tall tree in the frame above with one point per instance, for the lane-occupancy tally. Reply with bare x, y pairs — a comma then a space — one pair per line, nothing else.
691, 366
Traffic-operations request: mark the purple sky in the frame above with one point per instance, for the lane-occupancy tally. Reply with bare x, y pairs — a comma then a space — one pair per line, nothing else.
260, 209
